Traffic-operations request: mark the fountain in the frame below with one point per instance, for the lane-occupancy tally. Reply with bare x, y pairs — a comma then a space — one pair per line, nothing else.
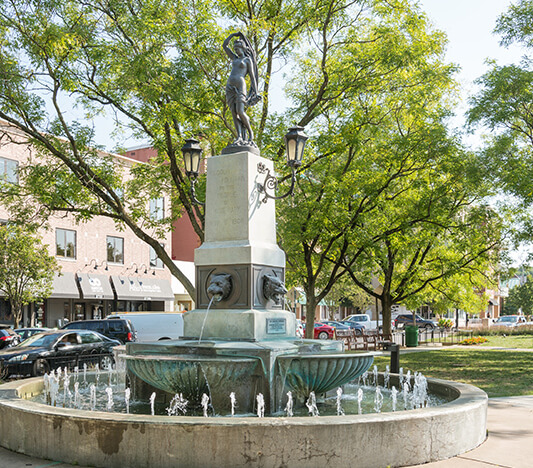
240, 341
239, 338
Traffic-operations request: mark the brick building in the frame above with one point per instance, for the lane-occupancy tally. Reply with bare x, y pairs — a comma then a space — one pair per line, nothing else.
103, 269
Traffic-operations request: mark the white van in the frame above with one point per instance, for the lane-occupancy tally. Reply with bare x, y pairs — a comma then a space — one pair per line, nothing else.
154, 326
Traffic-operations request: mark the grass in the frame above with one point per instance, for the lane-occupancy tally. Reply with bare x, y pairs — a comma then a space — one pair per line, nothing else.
510, 341
498, 372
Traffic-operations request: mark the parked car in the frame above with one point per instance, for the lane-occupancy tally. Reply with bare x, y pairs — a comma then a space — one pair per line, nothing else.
359, 329
407, 319
121, 330
511, 321
59, 348
25, 333
153, 326
8, 337
323, 331
362, 319
337, 325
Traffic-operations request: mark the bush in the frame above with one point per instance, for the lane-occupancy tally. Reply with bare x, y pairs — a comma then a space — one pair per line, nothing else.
499, 331
445, 323
474, 340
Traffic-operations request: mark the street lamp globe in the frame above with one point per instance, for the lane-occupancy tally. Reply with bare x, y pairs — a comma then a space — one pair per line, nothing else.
192, 153
295, 144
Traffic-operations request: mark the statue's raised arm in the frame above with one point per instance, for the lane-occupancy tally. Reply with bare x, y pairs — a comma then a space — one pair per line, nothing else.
243, 62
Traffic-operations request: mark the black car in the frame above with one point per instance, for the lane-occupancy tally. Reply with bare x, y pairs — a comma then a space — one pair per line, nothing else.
359, 329
59, 348
407, 319
116, 329
8, 338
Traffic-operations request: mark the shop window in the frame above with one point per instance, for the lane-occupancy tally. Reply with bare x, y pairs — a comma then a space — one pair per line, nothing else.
9, 170
65, 243
115, 249
155, 261
157, 208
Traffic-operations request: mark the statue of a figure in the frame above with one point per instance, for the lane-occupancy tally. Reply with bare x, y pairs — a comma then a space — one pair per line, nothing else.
243, 62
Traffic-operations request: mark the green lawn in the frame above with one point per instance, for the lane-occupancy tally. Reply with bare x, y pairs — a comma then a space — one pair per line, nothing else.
519, 341
497, 372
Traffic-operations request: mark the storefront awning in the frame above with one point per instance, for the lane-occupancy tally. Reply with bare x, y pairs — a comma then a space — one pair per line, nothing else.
142, 289
95, 286
64, 286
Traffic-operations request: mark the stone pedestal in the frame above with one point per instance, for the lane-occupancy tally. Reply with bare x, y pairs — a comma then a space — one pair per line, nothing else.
240, 241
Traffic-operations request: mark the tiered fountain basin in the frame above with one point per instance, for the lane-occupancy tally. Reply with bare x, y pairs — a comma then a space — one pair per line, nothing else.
104, 439
217, 368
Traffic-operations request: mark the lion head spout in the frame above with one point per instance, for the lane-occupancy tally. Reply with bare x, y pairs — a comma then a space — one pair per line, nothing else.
274, 289
220, 286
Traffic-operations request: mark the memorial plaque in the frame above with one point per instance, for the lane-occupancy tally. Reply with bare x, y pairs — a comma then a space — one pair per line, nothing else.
276, 326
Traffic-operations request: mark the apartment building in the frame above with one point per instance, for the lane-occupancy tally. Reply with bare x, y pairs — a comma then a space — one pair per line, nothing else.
103, 269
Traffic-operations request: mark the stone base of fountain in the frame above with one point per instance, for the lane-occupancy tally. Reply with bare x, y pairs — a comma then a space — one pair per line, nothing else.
108, 440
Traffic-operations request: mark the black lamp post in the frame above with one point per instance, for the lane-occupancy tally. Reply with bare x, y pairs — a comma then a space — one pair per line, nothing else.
192, 154
294, 144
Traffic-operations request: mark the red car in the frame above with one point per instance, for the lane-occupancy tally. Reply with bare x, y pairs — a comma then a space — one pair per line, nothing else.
8, 338
323, 331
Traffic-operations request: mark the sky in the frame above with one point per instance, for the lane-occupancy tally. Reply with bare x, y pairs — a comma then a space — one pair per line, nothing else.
468, 25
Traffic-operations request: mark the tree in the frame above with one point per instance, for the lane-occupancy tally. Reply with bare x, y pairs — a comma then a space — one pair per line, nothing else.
504, 106
520, 299
26, 269
390, 193
381, 127
157, 69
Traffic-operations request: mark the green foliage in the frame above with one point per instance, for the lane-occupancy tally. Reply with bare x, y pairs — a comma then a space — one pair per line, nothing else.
26, 268
520, 297
388, 194
524, 330
515, 25
504, 107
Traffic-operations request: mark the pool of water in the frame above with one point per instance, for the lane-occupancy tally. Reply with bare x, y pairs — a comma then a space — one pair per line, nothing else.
105, 391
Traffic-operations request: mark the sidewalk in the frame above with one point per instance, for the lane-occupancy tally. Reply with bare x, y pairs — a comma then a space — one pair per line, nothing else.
509, 444
510, 438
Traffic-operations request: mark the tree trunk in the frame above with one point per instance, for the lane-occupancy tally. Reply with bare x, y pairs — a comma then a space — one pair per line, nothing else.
386, 308
310, 316
16, 310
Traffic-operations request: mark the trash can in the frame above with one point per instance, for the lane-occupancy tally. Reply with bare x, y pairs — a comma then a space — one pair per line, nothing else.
411, 336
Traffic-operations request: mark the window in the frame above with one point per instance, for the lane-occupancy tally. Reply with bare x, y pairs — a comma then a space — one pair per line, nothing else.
9, 170
116, 326
115, 249
88, 337
155, 261
65, 243
157, 208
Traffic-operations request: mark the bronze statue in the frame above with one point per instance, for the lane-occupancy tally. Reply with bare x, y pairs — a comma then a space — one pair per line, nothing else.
243, 62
